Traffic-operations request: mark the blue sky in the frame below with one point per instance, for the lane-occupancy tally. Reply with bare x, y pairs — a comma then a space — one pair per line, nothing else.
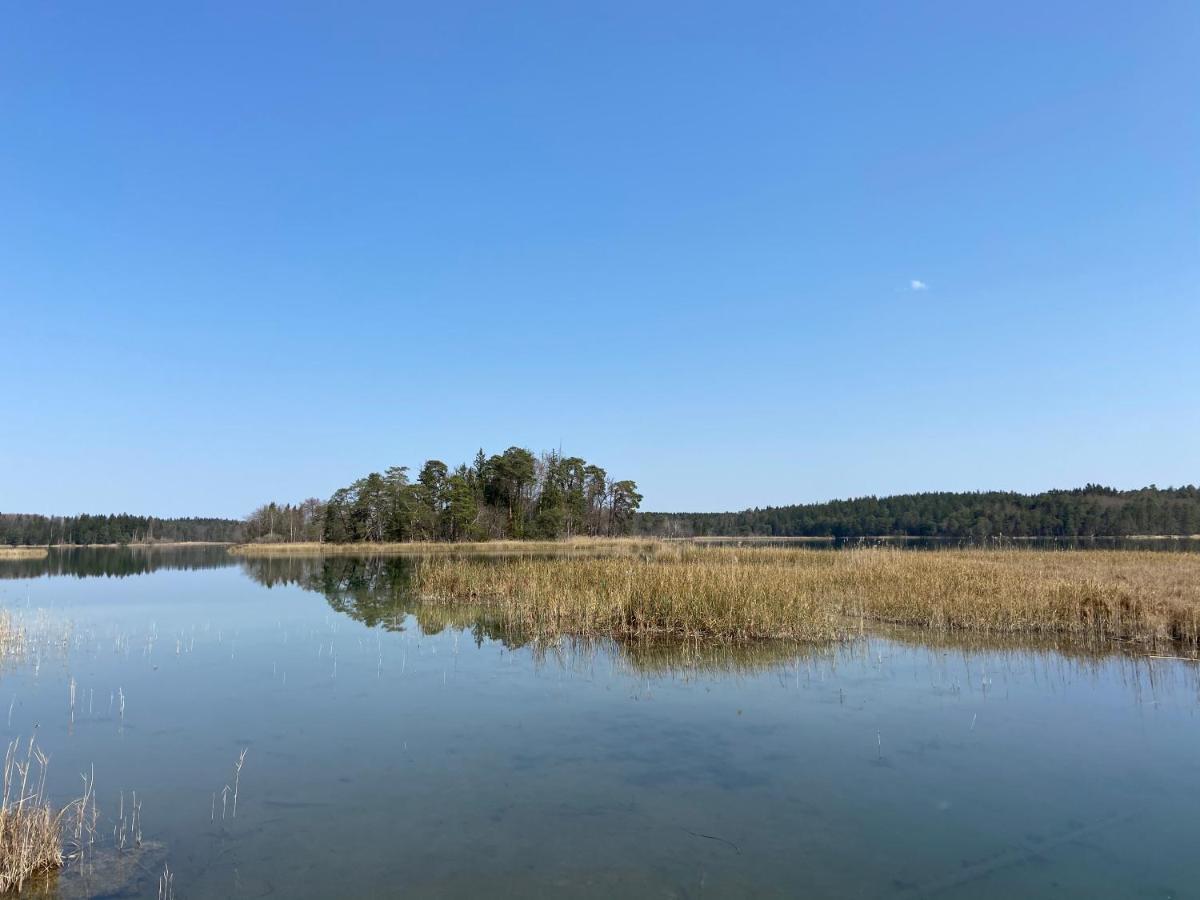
255, 250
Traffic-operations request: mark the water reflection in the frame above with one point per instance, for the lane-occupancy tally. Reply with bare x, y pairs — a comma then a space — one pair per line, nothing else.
901, 763
118, 561
376, 591
379, 592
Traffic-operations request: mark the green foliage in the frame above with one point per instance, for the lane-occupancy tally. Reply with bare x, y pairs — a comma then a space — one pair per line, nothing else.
511, 495
1090, 511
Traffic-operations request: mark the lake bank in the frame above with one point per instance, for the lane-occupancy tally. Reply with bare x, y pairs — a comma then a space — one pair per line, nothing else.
425, 548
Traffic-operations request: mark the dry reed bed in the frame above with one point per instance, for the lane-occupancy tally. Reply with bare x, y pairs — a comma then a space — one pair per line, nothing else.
30, 831
769, 592
23, 553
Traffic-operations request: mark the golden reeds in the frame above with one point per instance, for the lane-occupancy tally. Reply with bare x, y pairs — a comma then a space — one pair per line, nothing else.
773, 592
23, 553
30, 831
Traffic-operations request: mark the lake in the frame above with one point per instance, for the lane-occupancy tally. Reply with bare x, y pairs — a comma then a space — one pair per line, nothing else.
392, 750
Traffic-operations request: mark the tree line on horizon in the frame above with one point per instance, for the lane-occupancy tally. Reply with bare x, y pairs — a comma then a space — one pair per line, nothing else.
498, 497
1090, 511
513, 495
37, 530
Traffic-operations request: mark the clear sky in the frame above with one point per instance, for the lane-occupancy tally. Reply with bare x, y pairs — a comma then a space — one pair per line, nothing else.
744, 253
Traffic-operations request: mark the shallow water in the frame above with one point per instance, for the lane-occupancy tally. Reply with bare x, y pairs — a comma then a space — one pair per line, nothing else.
394, 750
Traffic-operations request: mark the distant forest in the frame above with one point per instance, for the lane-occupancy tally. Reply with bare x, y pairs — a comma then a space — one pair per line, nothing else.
517, 495
512, 495
1084, 512
21, 528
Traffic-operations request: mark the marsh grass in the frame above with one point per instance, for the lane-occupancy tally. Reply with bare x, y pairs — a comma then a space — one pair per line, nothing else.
32, 635
685, 590
23, 553
30, 831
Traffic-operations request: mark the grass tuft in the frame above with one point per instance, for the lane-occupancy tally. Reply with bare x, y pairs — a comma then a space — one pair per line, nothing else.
30, 831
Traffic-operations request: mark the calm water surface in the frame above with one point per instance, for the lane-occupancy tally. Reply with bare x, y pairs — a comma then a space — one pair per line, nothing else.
395, 751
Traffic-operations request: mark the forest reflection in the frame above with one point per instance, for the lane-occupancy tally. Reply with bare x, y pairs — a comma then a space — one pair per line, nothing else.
380, 592
118, 561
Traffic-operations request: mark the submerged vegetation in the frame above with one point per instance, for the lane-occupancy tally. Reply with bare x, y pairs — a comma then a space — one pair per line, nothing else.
740, 594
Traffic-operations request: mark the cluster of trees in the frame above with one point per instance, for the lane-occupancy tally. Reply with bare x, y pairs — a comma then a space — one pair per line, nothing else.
1090, 511
302, 522
514, 495
28, 529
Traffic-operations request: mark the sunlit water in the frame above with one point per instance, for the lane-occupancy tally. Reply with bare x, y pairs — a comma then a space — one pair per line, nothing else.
385, 760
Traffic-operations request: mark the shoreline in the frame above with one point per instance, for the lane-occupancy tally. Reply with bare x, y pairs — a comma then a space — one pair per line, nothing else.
422, 548
127, 544
323, 548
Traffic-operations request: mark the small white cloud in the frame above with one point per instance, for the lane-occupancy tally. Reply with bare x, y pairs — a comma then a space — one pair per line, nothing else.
918, 285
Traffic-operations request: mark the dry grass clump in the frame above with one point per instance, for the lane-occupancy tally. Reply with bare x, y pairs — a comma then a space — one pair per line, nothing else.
12, 637
773, 592
694, 593
426, 548
23, 553
30, 831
